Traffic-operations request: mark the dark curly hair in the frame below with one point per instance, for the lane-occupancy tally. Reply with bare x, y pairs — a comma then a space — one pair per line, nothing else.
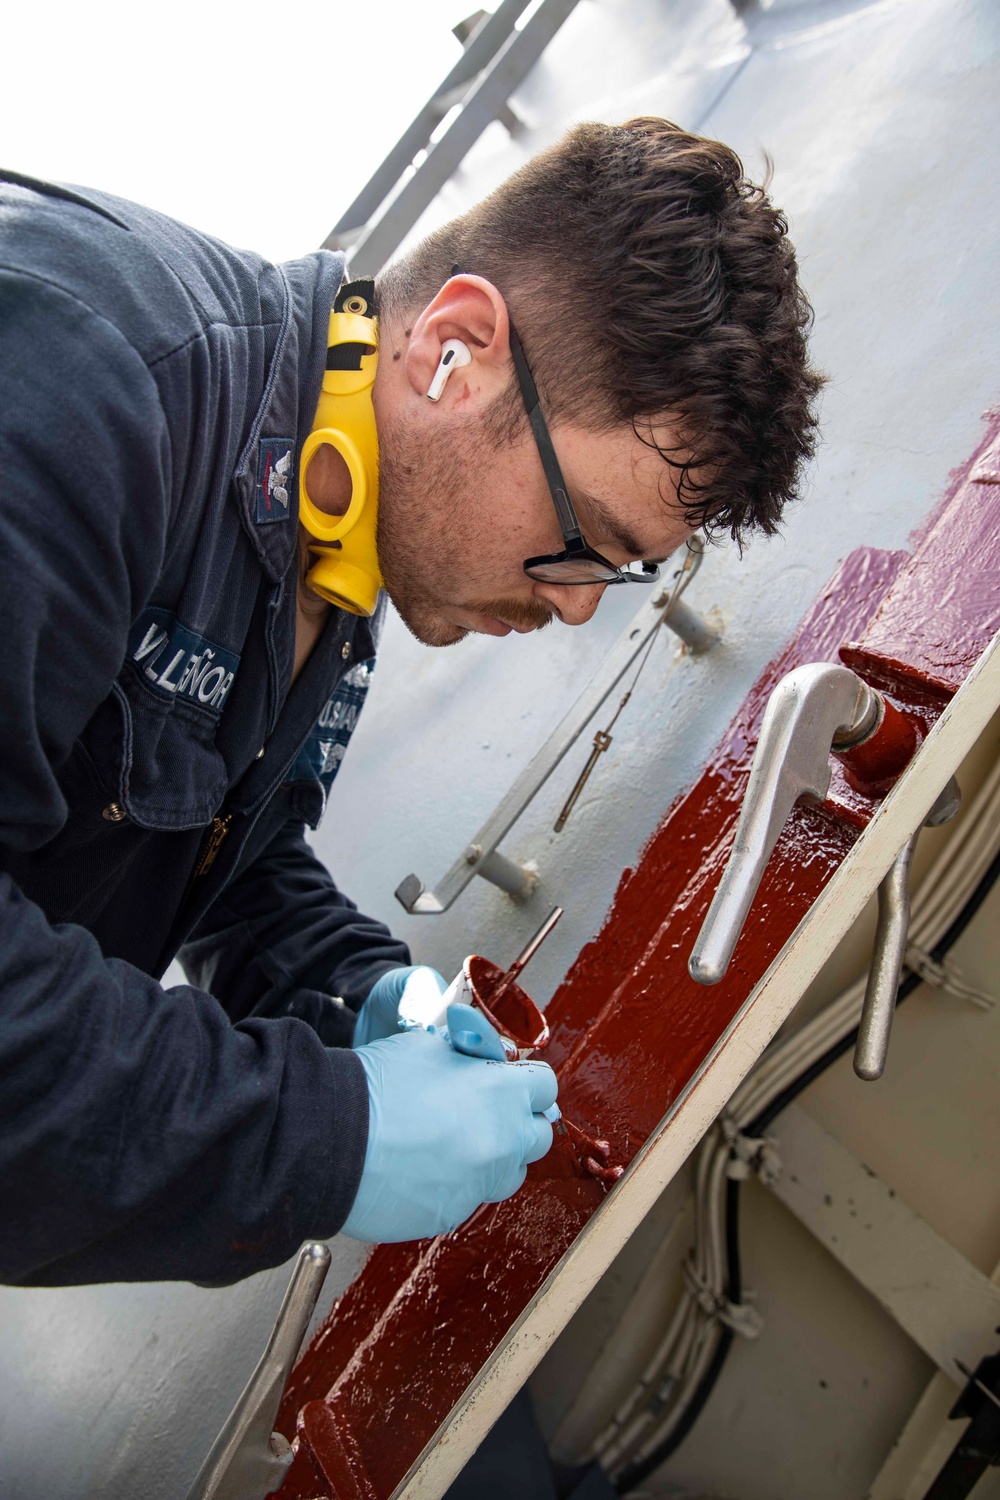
648, 279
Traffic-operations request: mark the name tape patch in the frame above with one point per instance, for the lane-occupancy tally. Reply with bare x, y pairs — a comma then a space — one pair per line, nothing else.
274, 480
321, 755
179, 663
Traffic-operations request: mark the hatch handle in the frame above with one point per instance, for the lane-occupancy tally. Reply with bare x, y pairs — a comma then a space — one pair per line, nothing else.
813, 710
878, 1008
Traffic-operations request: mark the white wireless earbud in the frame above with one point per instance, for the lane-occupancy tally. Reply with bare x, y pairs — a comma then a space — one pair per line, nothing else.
453, 354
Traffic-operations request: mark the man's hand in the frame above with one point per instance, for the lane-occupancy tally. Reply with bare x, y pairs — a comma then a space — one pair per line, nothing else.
379, 1016
446, 1132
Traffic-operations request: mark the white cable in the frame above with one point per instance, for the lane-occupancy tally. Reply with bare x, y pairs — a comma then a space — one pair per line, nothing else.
947, 977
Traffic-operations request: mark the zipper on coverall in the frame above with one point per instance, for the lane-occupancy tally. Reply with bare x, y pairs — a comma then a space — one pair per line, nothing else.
216, 835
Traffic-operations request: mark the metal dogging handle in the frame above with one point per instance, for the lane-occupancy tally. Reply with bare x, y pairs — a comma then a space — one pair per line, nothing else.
878, 1008
813, 710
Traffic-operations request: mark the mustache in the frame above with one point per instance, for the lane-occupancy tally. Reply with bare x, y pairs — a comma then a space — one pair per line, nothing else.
522, 614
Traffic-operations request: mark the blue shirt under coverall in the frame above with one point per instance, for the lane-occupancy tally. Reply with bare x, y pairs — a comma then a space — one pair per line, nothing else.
157, 772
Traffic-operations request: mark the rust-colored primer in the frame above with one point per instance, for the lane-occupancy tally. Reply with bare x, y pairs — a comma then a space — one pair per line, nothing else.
874, 765
629, 1028
507, 1007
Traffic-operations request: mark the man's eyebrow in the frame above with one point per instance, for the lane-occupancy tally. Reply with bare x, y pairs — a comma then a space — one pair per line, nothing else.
615, 530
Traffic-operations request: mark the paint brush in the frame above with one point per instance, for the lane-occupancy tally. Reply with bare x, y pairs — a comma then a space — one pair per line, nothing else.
525, 956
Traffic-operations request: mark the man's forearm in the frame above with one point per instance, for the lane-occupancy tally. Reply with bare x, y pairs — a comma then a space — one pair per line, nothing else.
282, 936
147, 1138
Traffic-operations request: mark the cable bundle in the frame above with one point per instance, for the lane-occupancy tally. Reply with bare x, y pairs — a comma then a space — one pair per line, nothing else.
657, 1414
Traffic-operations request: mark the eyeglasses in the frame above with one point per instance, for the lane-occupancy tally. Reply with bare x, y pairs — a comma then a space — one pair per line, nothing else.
577, 563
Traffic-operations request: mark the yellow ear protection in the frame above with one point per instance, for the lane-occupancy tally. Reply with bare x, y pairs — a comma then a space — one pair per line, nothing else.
346, 571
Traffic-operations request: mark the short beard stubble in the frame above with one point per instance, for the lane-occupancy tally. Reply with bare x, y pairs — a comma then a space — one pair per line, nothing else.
420, 521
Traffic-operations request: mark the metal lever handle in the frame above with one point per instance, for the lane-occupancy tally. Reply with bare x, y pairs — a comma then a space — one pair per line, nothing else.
813, 710
248, 1459
878, 1008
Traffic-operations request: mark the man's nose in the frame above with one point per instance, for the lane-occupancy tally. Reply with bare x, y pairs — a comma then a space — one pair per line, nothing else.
572, 605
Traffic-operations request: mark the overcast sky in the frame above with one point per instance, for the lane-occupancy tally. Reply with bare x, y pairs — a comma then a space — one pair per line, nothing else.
257, 122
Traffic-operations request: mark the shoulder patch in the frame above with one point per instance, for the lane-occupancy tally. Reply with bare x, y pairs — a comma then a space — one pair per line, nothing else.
178, 663
274, 479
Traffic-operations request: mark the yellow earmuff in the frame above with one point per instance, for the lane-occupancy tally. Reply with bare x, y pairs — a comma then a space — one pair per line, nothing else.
346, 571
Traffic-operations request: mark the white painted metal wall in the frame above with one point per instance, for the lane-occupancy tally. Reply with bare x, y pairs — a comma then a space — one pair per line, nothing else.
882, 122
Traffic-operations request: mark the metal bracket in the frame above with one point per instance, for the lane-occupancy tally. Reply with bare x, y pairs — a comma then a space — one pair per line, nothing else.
739, 1316
248, 1459
496, 60
519, 881
481, 856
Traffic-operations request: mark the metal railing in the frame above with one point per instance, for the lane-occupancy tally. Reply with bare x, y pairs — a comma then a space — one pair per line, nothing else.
496, 60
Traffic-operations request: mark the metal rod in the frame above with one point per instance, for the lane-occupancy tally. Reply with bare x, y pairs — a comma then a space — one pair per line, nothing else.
482, 48
690, 627
889, 952
602, 740
503, 872
480, 107
872, 1047
526, 954
692, 630
248, 1460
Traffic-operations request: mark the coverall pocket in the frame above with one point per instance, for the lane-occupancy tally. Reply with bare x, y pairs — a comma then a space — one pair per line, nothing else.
174, 776
71, 876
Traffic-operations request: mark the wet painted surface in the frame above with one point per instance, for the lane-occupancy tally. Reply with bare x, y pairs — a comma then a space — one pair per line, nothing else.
946, 602
629, 1028
874, 765
507, 1007
868, 111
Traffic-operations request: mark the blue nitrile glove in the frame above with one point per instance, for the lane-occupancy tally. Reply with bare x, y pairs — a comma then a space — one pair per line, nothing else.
446, 1132
379, 1016
471, 1033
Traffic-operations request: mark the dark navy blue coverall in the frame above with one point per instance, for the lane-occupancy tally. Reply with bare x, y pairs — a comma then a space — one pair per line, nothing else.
157, 772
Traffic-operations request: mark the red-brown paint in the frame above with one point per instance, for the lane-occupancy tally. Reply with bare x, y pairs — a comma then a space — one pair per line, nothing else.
507, 1007
511, 1011
629, 1030
876, 763
928, 631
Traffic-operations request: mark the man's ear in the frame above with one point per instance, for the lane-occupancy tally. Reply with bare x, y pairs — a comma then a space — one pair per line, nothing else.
471, 310
328, 481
